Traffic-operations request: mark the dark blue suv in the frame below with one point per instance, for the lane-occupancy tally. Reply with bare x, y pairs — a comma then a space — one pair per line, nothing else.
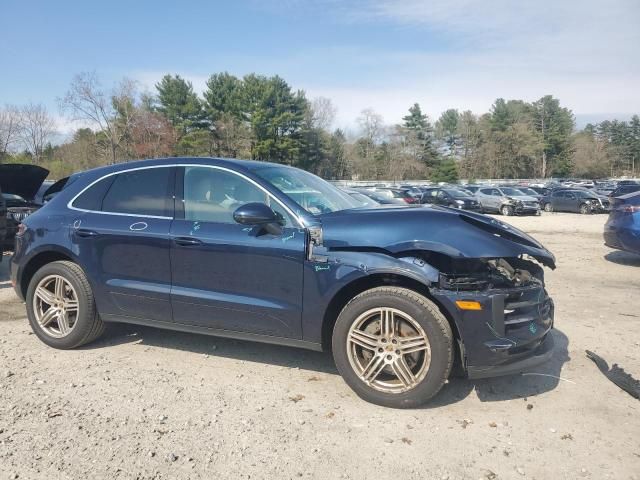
266, 252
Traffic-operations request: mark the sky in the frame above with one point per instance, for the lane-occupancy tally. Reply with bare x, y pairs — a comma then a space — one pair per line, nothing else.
378, 54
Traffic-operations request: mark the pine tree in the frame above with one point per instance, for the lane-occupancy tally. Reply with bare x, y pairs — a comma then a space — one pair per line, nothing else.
419, 135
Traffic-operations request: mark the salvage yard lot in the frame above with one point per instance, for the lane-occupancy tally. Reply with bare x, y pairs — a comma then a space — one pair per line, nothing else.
146, 403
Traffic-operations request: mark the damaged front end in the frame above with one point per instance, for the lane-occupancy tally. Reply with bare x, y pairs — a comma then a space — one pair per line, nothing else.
506, 330
486, 276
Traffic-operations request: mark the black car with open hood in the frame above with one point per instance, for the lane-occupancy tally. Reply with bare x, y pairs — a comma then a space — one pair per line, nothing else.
19, 184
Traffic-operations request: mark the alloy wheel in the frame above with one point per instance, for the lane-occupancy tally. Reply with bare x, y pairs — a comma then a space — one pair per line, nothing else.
55, 304
388, 350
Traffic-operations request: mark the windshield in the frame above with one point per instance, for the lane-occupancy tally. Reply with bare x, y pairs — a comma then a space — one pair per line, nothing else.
583, 194
528, 191
457, 193
312, 193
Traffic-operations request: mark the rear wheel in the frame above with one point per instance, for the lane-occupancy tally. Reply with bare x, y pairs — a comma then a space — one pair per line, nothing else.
507, 210
61, 308
548, 207
393, 347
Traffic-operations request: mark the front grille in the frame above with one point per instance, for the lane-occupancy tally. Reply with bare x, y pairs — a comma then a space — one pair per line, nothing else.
19, 216
526, 305
531, 204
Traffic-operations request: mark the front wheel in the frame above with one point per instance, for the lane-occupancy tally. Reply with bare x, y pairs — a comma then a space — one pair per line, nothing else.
585, 209
548, 207
507, 210
393, 347
61, 308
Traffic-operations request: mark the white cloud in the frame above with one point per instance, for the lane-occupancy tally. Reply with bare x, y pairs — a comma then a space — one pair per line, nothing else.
582, 51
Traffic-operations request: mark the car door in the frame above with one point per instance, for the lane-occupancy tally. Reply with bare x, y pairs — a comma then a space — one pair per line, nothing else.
491, 198
570, 201
558, 201
121, 237
441, 198
228, 276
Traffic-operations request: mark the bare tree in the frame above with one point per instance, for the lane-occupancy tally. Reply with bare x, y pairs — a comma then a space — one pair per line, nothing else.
9, 128
323, 113
108, 112
36, 129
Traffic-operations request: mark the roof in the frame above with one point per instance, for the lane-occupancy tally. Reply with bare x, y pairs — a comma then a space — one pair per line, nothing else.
222, 162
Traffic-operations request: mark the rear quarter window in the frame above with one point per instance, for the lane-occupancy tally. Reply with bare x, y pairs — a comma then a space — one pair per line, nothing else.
139, 192
91, 198
144, 192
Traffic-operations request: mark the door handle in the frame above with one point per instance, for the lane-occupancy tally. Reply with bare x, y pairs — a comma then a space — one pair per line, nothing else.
187, 241
83, 232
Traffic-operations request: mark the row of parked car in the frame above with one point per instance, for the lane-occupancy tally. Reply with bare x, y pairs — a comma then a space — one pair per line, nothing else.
504, 199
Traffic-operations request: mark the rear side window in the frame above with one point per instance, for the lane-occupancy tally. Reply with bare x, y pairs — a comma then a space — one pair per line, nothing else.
91, 199
140, 192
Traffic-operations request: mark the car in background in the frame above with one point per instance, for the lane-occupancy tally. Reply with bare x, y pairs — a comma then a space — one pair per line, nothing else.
623, 189
39, 197
571, 200
415, 192
397, 193
361, 198
507, 201
603, 199
622, 230
541, 190
530, 192
381, 199
19, 184
451, 197
472, 188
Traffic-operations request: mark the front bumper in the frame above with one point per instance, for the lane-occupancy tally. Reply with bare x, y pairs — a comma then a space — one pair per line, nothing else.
527, 209
511, 332
541, 354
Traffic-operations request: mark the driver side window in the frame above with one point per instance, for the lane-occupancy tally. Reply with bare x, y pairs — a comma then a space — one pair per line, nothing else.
212, 195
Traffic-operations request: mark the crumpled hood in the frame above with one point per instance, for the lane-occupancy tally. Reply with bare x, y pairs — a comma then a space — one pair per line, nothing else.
22, 179
456, 233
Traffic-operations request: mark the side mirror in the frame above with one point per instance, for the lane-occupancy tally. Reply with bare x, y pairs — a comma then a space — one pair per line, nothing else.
254, 214
258, 214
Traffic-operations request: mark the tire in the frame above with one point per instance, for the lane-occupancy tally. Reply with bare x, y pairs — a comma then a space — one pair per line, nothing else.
584, 209
430, 375
87, 325
507, 210
548, 207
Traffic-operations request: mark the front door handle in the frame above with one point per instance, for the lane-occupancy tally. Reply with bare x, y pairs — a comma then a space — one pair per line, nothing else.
187, 241
85, 233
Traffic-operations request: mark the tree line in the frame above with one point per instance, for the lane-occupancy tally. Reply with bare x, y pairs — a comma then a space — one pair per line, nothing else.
263, 118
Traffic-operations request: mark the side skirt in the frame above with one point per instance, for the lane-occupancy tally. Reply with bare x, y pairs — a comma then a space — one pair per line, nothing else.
179, 327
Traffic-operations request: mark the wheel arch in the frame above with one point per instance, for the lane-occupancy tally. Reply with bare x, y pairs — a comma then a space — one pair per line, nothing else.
39, 260
380, 279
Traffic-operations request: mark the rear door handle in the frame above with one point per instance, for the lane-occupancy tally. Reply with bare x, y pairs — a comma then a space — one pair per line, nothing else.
83, 232
187, 241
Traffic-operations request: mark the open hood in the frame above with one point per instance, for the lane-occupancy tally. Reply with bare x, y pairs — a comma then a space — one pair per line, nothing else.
439, 229
20, 179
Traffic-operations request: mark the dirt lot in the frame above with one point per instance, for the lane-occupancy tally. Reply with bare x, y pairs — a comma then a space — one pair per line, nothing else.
146, 403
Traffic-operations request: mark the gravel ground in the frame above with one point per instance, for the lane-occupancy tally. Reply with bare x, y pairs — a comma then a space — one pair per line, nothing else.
146, 403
